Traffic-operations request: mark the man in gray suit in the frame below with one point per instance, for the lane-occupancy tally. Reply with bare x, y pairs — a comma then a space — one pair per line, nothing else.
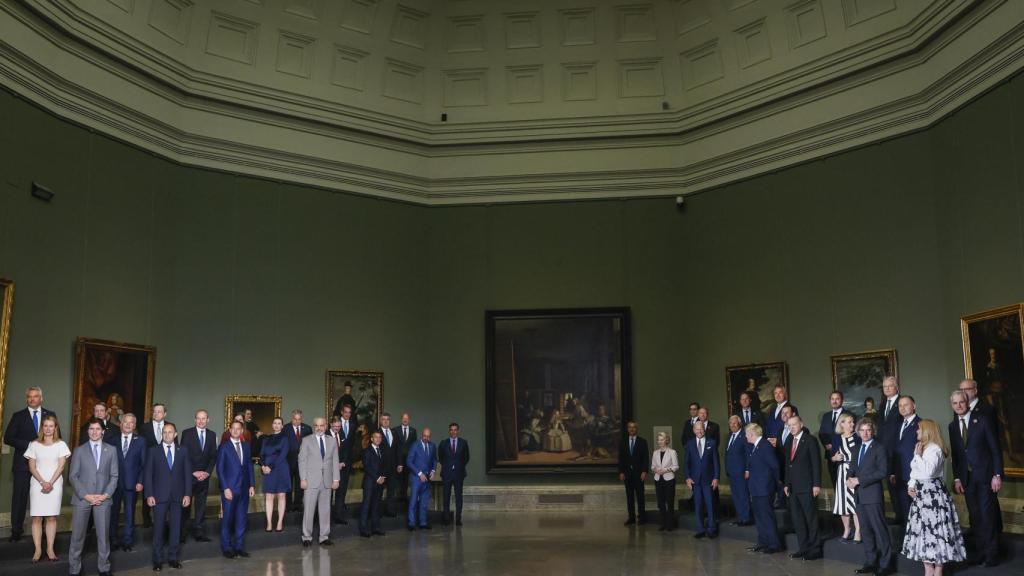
868, 472
94, 479
318, 476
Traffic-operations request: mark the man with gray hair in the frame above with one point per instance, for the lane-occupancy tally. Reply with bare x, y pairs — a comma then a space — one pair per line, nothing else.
889, 422
977, 474
296, 431
318, 473
130, 449
21, 431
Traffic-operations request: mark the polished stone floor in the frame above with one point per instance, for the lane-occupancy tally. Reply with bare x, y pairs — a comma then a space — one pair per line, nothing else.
534, 544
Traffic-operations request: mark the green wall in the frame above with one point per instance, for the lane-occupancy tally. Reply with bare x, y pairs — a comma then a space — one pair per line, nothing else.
250, 286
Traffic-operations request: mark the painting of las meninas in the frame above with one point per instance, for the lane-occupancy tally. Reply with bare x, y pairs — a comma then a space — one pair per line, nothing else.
558, 389
994, 357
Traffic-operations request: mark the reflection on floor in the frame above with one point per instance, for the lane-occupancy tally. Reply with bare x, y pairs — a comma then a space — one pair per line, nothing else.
535, 544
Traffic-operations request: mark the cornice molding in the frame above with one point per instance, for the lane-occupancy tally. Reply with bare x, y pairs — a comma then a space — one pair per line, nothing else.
899, 95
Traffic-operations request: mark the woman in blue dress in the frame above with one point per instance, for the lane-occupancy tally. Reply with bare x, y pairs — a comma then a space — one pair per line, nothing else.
277, 478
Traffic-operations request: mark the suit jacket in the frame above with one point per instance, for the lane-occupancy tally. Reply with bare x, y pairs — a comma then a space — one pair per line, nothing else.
871, 471
131, 466
756, 417
402, 446
20, 433
420, 460
980, 457
827, 432
711, 430
803, 471
167, 484
293, 443
453, 466
108, 431
763, 465
389, 451
637, 462
775, 424
232, 473
889, 428
670, 462
349, 446
86, 478
687, 432
205, 458
373, 468
702, 469
736, 456
900, 458
317, 471
146, 431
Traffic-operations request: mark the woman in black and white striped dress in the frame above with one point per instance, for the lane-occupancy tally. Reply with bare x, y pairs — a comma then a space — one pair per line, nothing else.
845, 506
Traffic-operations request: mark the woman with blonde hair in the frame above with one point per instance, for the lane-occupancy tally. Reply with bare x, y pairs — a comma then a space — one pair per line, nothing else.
933, 528
46, 459
845, 505
664, 464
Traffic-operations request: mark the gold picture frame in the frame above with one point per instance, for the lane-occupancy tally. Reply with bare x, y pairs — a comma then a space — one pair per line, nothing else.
265, 408
6, 308
764, 376
859, 376
368, 394
993, 347
116, 373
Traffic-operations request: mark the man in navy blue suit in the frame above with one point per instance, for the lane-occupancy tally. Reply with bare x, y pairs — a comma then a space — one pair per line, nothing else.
736, 469
201, 443
420, 462
21, 431
453, 454
866, 476
702, 472
899, 460
237, 485
827, 431
131, 465
747, 411
763, 481
777, 422
296, 430
374, 477
167, 485
778, 440
889, 421
977, 473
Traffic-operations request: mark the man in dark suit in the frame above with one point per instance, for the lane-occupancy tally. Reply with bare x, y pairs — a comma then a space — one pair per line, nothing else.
168, 490
453, 454
131, 465
152, 432
634, 462
348, 439
976, 405
802, 486
374, 477
978, 474
389, 448
889, 421
201, 443
296, 430
868, 472
405, 437
762, 480
777, 422
99, 412
21, 431
711, 429
701, 468
899, 460
421, 462
778, 441
236, 479
747, 412
688, 425
827, 431
736, 455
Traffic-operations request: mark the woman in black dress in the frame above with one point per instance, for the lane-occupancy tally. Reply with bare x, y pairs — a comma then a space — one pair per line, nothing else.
277, 477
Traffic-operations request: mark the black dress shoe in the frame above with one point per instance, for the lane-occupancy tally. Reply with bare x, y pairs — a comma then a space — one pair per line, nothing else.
458, 522
174, 564
885, 572
128, 548
626, 523
813, 556
770, 551
105, 574
241, 554
326, 543
699, 535
14, 538
426, 527
364, 534
157, 567
202, 538
755, 548
866, 570
712, 535
797, 555
378, 532
229, 555
990, 563
411, 528
306, 543
639, 522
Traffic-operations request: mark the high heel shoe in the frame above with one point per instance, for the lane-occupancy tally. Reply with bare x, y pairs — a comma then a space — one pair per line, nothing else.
36, 557
279, 529
52, 558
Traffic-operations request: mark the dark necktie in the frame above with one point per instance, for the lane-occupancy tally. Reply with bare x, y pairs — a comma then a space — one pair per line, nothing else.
238, 451
35, 420
963, 429
124, 447
170, 457
863, 449
202, 440
792, 452
834, 416
746, 416
323, 453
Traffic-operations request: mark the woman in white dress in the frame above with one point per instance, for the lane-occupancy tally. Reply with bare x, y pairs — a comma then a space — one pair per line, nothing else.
933, 527
46, 458
845, 506
665, 464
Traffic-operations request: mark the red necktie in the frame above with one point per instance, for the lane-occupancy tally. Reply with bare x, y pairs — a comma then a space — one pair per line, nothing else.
298, 435
792, 452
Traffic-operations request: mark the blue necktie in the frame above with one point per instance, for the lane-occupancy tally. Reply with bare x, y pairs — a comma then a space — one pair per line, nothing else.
863, 449
202, 440
323, 452
96, 454
35, 420
170, 458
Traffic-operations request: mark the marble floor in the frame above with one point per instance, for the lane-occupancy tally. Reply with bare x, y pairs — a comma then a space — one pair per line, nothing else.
532, 544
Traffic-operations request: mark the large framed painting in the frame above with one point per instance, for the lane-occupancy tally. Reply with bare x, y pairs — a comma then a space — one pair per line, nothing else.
994, 358
116, 373
559, 389
364, 390
859, 377
758, 379
257, 412
6, 308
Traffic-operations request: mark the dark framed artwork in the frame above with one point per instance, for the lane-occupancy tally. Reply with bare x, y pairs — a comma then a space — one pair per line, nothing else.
264, 410
558, 389
759, 379
994, 358
116, 373
859, 377
6, 308
367, 396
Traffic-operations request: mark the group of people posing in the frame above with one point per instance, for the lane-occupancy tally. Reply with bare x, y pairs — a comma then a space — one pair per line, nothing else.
302, 468
773, 461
